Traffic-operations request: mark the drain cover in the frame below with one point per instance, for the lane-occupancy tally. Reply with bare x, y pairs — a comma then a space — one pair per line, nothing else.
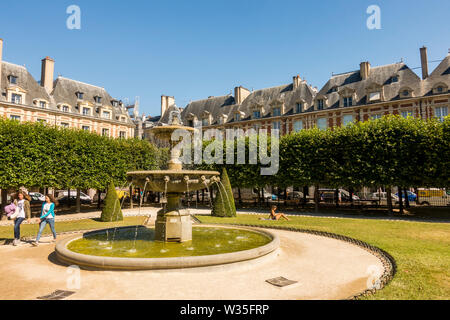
281, 282
57, 295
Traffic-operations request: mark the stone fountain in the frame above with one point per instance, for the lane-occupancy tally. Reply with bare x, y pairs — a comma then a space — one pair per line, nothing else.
173, 222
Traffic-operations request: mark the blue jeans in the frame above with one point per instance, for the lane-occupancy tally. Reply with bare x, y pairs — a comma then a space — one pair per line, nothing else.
17, 223
43, 223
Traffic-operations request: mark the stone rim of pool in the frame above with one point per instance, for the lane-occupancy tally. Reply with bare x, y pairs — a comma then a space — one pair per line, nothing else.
67, 256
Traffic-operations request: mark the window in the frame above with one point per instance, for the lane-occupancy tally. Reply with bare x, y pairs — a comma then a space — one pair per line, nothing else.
85, 128
122, 134
64, 124
406, 114
237, 117
298, 125
276, 125
80, 95
65, 108
348, 101
86, 111
98, 99
440, 89
205, 122
42, 120
106, 114
440, 113
16, 98
374, 96
322, 123
256, 114
190, 123
12, 79
376, 116
114, 103
320, 104
276, 112
42, 104
394, 79
14, 117
298, 107
347, 119
123, 119
105, 132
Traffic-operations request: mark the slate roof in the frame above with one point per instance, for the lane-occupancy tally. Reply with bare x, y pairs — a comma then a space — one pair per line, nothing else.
439, 75
24, 80
381, 75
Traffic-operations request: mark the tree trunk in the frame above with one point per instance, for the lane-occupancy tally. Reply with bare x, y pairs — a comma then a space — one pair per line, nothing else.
99, 198
131, 197
351, 196
336, 197
406, 198
389, 200
203, 196
316, 198
305, 191
4, 200
78, 201
68, 198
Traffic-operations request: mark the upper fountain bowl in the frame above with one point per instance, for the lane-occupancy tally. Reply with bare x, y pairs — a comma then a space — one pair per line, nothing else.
173, 181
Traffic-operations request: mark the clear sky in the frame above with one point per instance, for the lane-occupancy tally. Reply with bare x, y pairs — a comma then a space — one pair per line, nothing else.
195, 49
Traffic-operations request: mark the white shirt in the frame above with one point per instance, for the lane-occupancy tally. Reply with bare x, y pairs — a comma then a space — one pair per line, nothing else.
21, 206
47, 209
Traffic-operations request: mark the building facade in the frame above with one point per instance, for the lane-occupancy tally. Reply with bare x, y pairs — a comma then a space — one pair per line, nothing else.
367, 93
61, 102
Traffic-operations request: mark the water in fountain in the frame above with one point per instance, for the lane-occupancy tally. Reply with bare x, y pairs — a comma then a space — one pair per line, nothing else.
140, 206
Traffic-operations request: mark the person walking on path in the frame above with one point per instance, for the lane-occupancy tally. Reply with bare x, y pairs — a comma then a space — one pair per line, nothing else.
23, 212
47, 217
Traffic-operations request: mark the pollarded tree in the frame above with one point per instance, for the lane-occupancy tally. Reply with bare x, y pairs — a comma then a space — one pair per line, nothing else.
223, 205
112, 210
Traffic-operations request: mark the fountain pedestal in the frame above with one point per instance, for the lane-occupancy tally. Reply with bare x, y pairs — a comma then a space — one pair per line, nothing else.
173, 224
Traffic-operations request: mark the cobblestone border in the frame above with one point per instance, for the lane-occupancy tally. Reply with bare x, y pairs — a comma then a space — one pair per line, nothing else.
389, 264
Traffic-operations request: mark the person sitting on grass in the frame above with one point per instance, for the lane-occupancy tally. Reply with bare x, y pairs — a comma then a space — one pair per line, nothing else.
47, 216
276, 216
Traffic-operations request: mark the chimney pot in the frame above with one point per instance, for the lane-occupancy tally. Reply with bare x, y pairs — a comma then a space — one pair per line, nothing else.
364, 69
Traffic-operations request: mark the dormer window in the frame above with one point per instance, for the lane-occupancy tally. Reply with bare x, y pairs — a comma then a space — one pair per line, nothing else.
80, 95
16, 98
320, 104
42, 104
348, 101
276, 112
256, 114
394, 79
299, 107
106, 115
237, 117
205, 121
12, 79
440, 88
86, 111
374, 96
98, 99
333, 89
65, 108
114, 103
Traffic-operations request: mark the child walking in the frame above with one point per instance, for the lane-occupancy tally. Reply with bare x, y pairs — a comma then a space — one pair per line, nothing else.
47, 217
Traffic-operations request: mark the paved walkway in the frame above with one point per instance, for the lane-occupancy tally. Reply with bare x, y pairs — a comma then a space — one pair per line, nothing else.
324, 268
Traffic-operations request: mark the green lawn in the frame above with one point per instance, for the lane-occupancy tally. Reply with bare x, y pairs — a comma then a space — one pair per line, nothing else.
421, 250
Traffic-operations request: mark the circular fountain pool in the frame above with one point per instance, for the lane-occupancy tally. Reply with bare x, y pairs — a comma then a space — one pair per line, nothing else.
134, 248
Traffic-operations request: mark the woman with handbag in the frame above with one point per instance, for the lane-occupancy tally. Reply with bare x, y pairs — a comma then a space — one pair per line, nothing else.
47, 217
22, 213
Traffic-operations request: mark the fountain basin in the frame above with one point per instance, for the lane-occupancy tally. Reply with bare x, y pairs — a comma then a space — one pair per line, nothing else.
173, 181
190, 255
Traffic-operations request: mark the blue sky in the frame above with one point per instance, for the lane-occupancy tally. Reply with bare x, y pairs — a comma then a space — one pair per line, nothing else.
195, 49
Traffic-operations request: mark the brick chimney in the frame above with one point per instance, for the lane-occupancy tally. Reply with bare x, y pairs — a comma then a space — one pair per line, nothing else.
166, 102
364, 69
424, 62
240, 94
296, 81
47, 72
